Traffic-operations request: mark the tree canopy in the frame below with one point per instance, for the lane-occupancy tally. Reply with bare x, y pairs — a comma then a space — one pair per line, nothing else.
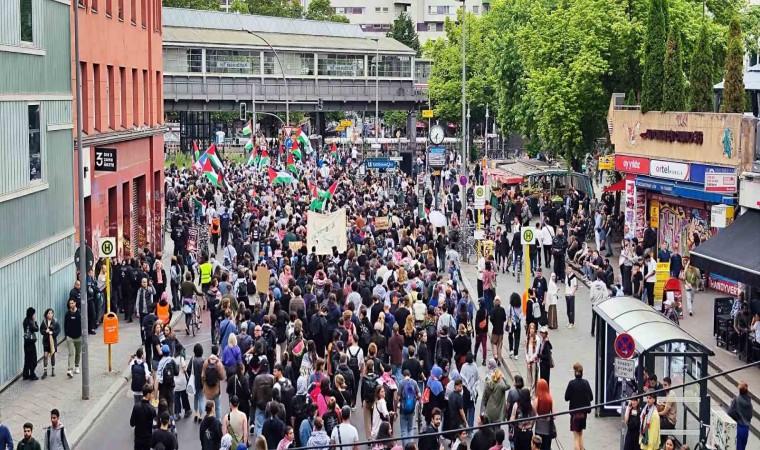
403, 31
733, 88
322, 10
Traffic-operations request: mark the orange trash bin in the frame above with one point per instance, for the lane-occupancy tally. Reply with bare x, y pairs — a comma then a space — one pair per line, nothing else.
111, 328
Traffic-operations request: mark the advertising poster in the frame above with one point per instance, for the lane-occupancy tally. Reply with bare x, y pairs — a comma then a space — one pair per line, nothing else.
662, 276
630, 202
641, 213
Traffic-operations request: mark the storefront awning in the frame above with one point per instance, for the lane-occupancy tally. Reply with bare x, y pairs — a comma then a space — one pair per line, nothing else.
502, 176
616, 187
683, 189
733, 251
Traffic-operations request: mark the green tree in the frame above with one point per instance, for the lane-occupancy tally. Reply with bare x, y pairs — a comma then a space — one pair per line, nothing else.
211, 5
276, 8
733, 86
701, 78
673, 95
395, 118
403, 31
654, 57
322, 10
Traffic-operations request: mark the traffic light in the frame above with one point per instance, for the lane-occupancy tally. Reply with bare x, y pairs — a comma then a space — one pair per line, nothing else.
243, 111
320, 104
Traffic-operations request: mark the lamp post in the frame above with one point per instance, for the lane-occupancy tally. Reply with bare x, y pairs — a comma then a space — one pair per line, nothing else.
287, 89
464, 108
377, 94
485, 134
82, 242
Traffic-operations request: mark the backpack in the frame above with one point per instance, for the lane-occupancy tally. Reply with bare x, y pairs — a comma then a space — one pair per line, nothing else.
138, 377
287, 395
408, 396
300, 407
212, 375
225, 219
242, 290
369, 384
315, 325
536, 310
317, 391
353, 360
365, 335
390, 396
168, 374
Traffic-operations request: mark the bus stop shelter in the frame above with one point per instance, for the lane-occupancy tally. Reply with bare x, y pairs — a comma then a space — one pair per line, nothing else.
662, 348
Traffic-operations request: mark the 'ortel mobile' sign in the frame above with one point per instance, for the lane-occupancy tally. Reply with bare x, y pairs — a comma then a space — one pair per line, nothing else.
670, 170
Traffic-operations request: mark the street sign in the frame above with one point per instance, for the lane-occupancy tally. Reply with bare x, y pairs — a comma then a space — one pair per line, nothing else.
528, 235
90, 258
288, 143
107, 247
427, 113
480, 197
287, 130
463, 180
625, 368
380, 163
105, 159
437, 157
606, 162
625, 347
479, 235
346, 123
340, 128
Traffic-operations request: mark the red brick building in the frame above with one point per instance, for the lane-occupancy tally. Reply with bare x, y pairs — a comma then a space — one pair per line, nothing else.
122, 99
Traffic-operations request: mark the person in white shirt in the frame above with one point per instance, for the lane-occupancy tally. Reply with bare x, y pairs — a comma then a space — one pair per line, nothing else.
571, 287
547, 237
345, 433
481, 268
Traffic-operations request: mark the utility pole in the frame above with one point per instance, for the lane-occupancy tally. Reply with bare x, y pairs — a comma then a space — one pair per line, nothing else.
82, 242
485, 134
377, 95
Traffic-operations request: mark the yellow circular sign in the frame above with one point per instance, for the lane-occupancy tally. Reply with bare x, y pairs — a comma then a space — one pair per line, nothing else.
528, 235
106, 248
480, 191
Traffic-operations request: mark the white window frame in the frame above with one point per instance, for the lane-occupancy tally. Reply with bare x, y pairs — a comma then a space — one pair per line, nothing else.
21, 39
43, 159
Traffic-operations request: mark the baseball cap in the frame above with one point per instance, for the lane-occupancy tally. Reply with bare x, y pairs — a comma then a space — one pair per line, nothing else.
165, 349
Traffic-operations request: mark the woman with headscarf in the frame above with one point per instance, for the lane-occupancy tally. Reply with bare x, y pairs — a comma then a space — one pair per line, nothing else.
552, 294
435, 394
494, 394
471, 379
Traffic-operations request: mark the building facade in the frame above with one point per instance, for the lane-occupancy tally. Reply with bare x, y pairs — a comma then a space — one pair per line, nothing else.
122, 99
682, 171
37, 177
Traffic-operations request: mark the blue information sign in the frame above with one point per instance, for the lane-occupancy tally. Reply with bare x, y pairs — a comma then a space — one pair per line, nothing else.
380, 163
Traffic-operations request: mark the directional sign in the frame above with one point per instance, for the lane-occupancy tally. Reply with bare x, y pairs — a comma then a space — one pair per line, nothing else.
625, 368
107, 246
480, 197
90, 258
380, 163
625, 347
427, 113
528, 235
346, 123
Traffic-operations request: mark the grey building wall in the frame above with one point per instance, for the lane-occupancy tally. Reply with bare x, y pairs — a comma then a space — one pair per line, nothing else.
36, 217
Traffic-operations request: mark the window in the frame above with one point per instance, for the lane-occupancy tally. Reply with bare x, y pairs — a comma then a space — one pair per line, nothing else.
385, 9
94, 5
393, 67
431, 26
486, 7
378, 9
229, 61
143, 12
86, 105
340, 65
146, 98
135, 97
35, 144
97, 98
182, 60
111, 91
159, 95
121, 10
109, 7
123, 99
476, 9
439, 10
422, 71
27, 34
294, 64
133, 12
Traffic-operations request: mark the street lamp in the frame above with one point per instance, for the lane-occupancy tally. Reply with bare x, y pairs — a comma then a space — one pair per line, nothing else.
464, 107
377, 94
485, 133
287, 89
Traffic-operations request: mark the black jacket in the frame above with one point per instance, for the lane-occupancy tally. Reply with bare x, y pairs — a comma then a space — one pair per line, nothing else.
578, 393
429, 441
210, 433
72, 324
141, 420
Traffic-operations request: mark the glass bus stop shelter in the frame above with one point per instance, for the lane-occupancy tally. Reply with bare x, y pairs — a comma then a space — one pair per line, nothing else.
662, 348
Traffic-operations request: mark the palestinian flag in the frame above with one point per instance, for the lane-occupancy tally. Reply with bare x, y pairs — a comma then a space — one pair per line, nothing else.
295, 150
317, 204
330, 192
291, 165
210, 173
211, 153
253, 159
249, 145
248, 128
280, 177
196, 152
264, 159
313, 190
303, 140
334, 149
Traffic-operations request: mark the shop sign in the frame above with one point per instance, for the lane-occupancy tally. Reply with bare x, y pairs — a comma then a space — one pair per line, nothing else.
697, 171
721, 215
749, 190
669, 170
632, 164
682, 137
724, 285
721, 182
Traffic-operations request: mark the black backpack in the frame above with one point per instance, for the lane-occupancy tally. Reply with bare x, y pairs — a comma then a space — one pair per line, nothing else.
353, 360
212, 375
138, 377
300, 407
242, 291
168, 374
369, 384
316, 325
287, 396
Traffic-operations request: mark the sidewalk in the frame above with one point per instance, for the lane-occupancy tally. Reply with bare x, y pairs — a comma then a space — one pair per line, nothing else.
31, 401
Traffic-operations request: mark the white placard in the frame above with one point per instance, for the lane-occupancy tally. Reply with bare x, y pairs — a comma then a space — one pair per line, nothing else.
625, 368
325, 231
481, 192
